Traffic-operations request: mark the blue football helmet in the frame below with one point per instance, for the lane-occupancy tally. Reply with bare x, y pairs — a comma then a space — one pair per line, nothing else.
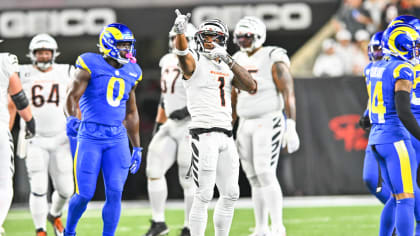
113, 34
401, 40
375, 47
411, 20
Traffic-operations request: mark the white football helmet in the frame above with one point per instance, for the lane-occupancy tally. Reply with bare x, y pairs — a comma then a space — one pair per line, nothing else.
43, 41
189, 34
250, 26
215, 28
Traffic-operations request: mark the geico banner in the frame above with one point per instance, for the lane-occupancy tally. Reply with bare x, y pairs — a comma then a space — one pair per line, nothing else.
288, 16
65, 22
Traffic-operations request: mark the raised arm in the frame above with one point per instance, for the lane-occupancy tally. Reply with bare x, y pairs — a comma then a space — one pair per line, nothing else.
186, 60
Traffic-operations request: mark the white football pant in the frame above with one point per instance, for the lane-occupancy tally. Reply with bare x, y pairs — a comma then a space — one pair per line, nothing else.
6, 172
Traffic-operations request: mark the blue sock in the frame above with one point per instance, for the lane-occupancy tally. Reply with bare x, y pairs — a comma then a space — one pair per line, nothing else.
388, 218
111, 212
77, 206
417, 208
405, 217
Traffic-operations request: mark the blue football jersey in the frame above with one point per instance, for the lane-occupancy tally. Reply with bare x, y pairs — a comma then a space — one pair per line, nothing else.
104, 100
415, 99
381, 77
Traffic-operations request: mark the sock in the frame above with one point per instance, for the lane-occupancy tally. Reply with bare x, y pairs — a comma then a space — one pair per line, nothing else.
111, 212
6, 196
387, 223
77, 206
223, 214
274, 204
405, 216
188, 200
57, 204
198, 217
417, 208
39, 210
260, 210
158, 193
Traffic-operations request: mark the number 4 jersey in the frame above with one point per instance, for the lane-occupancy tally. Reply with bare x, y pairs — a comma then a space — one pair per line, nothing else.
381, 77
46, 92
104, 100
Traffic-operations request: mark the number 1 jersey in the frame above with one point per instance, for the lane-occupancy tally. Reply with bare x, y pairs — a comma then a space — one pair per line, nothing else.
381, 77
46, 92
104, 100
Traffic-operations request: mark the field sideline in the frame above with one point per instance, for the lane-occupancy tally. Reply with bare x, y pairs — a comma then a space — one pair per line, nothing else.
303, 216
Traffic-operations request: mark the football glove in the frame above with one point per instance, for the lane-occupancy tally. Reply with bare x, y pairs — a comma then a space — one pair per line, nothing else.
220, 52
179, 114
364, 122
135, 160
181, 22
72, 126
30, 129
291, 138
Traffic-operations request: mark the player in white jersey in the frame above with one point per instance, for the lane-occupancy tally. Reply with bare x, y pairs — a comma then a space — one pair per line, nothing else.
209, 73
10, 85
48, 154
170, 142
262, 125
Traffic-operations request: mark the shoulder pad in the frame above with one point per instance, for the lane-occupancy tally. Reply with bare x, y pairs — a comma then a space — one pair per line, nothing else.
277, 54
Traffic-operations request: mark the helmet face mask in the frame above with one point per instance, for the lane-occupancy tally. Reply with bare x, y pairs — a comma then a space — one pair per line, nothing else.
111, 39
249, 28
375, 47
211, 31
42, 42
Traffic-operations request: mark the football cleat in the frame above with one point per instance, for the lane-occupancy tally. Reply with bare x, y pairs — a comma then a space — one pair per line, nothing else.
185, 232
41, 232
2, 232
57, 224
157, 228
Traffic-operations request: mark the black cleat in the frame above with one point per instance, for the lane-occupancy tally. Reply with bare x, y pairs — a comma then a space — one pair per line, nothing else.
157, 228
185, 232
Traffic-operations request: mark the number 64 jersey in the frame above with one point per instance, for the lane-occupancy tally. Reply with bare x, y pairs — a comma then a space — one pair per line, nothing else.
46, 93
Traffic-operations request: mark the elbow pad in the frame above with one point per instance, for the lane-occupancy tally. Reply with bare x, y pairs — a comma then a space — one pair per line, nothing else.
403, 106
20, 100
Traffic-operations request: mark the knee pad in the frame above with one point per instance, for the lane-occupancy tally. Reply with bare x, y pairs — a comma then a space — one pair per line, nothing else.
205, 195
38, 183
66, 191
254, 182
232, 195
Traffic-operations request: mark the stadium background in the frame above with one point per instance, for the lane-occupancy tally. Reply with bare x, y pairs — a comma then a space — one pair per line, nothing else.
331, 155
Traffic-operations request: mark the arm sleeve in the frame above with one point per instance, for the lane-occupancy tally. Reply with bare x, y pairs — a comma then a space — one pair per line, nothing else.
402, 103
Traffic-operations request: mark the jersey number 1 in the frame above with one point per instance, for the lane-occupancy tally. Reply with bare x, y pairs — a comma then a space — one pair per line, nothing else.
222, 91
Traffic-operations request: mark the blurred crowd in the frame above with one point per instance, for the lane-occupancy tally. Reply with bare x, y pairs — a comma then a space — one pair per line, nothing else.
356, 20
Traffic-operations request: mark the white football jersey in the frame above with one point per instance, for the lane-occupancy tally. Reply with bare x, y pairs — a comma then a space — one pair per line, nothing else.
173, 91
209, 94
46, 92
8, 65
267, 99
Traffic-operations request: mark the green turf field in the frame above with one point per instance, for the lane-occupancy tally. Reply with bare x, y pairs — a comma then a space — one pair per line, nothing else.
340, 221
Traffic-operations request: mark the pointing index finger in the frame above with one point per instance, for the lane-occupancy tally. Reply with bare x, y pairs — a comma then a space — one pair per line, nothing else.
177, 12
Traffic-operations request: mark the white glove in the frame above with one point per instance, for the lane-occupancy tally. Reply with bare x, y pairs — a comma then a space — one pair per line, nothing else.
181, 22
291, 138
220, 52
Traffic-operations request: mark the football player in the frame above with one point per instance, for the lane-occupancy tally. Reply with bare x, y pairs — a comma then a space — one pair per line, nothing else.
105, 88
267, 118
389, 84
170, 142
48, 154
10, 84
209, 74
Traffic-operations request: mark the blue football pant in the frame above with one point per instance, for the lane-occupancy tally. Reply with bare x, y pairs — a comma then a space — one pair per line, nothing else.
91, 156
398, 166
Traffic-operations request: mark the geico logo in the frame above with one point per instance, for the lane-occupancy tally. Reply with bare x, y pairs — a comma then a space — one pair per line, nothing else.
289, 16
67, 22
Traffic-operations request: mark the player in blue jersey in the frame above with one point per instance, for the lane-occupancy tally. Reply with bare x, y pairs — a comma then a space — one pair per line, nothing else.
104, 88
371, 175
389, 84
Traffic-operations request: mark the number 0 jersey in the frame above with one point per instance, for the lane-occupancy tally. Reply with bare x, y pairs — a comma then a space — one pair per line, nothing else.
8, 66
267, 99
46, 93
381, 77
209, 94
173, 91
104, 100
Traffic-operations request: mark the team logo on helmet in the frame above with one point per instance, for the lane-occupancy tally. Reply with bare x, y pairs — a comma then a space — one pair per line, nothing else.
400, 40
113, 34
